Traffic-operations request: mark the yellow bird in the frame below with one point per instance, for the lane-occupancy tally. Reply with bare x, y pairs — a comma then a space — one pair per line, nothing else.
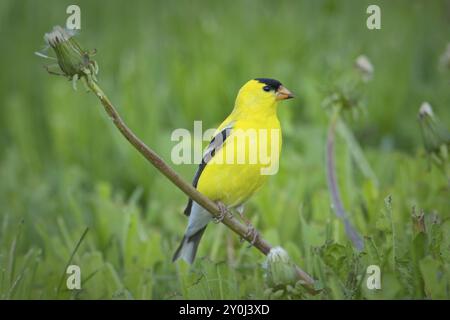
243, 153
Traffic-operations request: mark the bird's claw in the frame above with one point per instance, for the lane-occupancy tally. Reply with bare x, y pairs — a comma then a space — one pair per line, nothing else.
223, 211
252, 233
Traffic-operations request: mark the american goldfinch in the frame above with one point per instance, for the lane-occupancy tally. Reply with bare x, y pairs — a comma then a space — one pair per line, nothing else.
232, 169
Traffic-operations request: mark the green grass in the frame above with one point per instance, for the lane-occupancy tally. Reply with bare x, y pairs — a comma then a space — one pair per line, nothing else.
64, 167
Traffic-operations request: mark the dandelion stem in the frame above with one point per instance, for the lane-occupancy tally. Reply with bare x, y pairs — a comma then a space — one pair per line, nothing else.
338, 206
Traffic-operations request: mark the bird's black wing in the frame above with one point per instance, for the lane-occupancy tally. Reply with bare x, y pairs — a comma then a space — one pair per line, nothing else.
216, 143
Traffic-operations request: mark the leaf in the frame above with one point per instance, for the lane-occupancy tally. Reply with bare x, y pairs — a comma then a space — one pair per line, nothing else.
434, 278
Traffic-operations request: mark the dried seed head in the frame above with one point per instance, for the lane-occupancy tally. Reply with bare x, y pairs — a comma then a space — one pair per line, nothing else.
418, 221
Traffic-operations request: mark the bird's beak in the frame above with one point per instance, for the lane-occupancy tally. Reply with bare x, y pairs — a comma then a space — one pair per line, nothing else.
283, 93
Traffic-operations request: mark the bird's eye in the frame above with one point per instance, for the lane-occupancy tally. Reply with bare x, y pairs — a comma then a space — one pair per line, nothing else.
266, 88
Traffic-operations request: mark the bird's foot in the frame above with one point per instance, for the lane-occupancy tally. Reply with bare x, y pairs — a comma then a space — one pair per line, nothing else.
252, 233
223, 211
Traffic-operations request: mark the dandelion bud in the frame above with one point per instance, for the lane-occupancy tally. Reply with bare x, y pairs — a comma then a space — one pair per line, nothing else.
365, 67
436, 137
445, 58
280, 270
434, 134
73, 61
425, 110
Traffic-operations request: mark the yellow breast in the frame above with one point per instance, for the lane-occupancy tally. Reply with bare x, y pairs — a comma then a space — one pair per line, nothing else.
248, 157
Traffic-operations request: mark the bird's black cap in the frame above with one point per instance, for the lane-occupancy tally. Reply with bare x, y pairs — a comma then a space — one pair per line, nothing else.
272, 83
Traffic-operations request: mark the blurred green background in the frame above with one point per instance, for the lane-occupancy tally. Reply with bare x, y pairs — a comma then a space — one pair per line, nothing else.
65, 167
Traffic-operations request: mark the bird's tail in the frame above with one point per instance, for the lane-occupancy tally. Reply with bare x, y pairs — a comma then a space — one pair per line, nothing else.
188, 247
